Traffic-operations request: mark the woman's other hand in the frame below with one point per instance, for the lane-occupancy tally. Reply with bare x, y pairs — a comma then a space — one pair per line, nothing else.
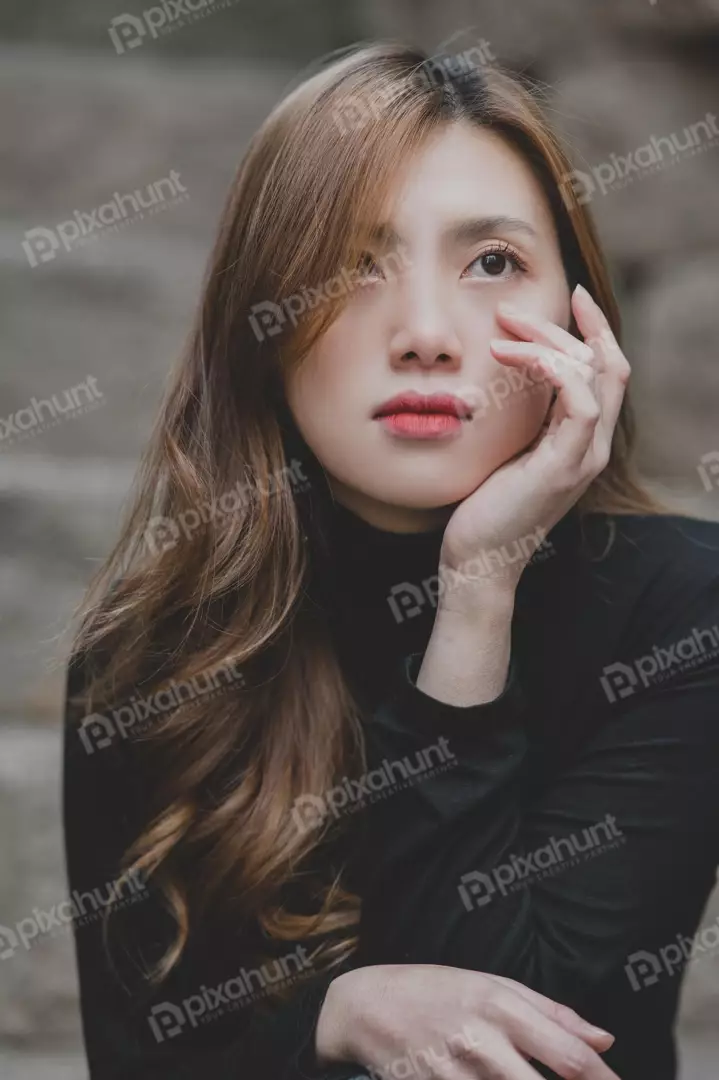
456, 1024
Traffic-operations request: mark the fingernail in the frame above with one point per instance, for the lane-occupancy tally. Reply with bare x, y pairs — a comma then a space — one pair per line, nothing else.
600, 1032
499, 343
583, 292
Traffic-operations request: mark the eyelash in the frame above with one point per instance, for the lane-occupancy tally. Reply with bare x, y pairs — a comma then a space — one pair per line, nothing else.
497, 248
507, 250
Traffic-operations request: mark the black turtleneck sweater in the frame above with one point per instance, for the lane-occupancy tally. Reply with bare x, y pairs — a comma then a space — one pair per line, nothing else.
565, 835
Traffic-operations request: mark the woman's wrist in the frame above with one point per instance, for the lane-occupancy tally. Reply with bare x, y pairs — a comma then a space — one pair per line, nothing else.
471, 586
478, 600
467, 658
331, 1043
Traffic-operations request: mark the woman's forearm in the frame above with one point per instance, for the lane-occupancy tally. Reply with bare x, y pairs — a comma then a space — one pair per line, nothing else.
467, 656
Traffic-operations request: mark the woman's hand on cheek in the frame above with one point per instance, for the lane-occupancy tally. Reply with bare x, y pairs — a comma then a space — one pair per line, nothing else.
524, 498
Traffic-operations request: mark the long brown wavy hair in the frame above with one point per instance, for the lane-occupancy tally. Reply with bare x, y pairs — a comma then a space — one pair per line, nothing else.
227, 770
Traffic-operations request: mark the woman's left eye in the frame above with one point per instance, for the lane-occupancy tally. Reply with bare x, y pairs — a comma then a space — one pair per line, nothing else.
496, 260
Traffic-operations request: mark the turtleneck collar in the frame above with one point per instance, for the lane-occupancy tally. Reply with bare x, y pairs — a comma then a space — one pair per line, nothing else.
355, 530
371, 562
351, 533
380, 589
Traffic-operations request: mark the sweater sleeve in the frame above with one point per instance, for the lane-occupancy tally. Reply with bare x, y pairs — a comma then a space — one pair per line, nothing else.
200, 1022
562, 885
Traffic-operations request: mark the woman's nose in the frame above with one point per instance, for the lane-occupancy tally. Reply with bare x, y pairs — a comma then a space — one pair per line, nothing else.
426, 337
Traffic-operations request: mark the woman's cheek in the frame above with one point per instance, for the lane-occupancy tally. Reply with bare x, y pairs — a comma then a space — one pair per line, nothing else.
511, 414
548, 299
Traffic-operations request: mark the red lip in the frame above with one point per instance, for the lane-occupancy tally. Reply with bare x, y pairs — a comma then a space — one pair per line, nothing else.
411, 402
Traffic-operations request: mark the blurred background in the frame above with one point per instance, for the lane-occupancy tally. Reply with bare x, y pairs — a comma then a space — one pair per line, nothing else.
99, 100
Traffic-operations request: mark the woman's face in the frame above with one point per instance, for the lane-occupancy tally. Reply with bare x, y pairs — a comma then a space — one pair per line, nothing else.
473, 228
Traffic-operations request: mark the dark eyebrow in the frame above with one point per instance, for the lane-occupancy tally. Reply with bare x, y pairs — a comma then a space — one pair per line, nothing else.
465, 231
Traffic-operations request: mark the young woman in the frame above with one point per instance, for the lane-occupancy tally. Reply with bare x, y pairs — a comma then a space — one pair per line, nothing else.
391, 736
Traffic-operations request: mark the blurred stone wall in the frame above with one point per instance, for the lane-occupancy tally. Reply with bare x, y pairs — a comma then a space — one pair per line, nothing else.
84, 116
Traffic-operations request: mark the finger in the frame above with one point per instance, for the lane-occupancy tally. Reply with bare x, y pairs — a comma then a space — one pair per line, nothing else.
534, 349
496, 1052
561, 1014
546, 1041
533, 327
572, 436
615, 368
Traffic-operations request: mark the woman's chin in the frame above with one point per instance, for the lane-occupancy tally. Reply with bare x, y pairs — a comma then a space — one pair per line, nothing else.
425, 497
